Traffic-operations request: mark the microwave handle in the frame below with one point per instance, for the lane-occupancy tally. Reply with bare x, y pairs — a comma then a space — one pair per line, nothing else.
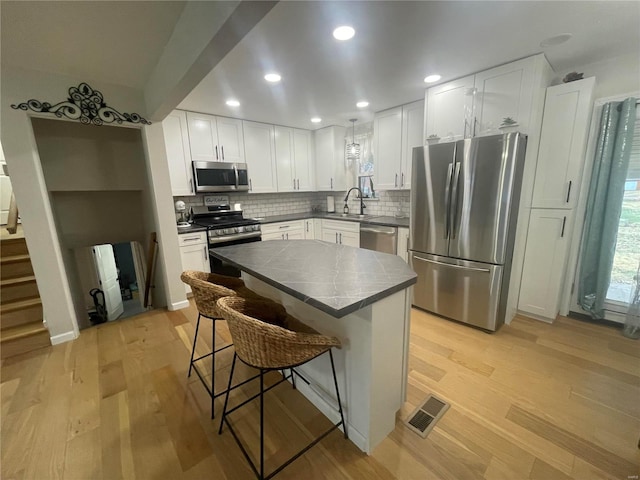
235, 170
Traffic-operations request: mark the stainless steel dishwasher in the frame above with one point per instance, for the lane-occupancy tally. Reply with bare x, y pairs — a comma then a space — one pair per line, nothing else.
379, 238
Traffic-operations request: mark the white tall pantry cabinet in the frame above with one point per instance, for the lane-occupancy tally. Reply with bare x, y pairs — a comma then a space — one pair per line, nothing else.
567, 113
176, 140
331, 173
260, 155
396, 132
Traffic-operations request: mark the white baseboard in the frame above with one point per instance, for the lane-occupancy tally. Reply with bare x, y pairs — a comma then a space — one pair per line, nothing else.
63, 337
179, 305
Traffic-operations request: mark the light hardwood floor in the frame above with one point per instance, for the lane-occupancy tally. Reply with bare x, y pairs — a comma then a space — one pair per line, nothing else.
533, 401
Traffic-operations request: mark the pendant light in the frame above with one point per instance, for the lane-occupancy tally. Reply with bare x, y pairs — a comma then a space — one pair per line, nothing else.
352, 153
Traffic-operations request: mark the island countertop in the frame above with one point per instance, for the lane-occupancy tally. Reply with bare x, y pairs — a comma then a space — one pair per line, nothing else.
336, 279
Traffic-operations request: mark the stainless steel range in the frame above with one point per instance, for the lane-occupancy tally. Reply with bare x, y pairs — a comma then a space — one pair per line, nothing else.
225, 227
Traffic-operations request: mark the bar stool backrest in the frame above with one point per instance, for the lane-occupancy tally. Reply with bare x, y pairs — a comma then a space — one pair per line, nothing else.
208, 288
265, 336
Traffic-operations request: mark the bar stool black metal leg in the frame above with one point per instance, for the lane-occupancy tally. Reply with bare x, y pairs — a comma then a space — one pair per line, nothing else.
213, 367
193, 349
226, 397
335, 382
261, 424
293, 379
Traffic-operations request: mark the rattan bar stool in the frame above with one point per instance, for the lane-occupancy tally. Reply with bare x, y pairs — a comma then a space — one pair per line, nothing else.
266, 337
207, 289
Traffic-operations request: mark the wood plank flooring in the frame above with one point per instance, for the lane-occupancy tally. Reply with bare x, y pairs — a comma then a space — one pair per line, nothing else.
533, 401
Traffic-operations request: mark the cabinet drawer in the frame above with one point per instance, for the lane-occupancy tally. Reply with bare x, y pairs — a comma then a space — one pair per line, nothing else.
345, 226
186, 239
282, 227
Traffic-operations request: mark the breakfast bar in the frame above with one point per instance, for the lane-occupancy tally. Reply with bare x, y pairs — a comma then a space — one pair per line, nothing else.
362, 297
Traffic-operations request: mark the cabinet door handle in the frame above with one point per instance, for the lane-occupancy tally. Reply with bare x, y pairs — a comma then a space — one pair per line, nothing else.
336, 237
191, 185
298, 184
284, 226
475, 123
205, 253
331, 183
340, 239
287, 236
564, 221
222, 150
395, 183
464, 135
569, 192
193, 239
402, 180
250, 185
217, 158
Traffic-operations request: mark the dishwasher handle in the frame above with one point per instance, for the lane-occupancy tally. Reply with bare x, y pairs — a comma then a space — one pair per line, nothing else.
379, 230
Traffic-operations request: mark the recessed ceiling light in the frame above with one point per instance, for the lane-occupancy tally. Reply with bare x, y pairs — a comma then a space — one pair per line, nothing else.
555, 40
316, 120
233, 103
432, 78
272, 77
362, 104
344, 32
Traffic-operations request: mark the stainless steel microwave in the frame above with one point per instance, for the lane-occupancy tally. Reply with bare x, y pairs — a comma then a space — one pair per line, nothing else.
220, 176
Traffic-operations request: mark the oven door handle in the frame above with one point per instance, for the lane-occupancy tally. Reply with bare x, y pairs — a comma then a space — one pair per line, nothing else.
231, 238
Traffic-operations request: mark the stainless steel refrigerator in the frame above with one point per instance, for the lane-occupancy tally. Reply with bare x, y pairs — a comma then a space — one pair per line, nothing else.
464, 207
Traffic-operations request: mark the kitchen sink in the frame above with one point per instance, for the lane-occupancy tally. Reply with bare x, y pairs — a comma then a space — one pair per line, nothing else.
348, 215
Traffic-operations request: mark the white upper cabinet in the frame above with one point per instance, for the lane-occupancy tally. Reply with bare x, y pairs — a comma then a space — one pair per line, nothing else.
329, 159
303, 160
387, 130
396, 132
203, 137
567, 114
294, 159
505, 91
176, 140
215, 139
231, 139
412, 133
478, 104
260, 156
449, 109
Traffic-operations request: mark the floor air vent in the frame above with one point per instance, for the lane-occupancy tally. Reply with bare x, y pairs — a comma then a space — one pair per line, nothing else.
423, 419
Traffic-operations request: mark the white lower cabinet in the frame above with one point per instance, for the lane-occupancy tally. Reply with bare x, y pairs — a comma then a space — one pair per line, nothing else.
403, 243
194, 253
342, 233
309, 229
284, 230
544, 262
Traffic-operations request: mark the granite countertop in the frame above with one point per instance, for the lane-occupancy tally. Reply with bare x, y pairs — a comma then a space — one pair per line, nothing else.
336, 279
372, 220
291, 217
191, 229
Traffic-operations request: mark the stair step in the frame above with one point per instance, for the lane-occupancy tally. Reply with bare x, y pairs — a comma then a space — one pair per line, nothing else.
19, 305
9, 282
13, 289
13, 246
23, 338
15, 266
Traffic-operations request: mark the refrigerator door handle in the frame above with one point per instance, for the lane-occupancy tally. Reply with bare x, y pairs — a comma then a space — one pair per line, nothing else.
454, 201
486, 270
447, 200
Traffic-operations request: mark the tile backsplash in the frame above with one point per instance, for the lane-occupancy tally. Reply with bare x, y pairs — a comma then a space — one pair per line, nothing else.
390, 203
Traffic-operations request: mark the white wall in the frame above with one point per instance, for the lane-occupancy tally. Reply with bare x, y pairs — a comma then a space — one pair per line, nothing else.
23, 160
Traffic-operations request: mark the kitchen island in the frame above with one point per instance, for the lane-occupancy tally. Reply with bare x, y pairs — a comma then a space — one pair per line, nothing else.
360, 296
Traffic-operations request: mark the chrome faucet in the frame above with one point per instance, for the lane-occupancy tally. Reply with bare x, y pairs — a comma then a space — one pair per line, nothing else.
362, 205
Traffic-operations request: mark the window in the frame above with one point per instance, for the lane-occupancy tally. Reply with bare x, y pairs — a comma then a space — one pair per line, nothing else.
627, 255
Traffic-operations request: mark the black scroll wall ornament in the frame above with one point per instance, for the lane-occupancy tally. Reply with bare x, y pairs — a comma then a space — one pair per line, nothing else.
84, 104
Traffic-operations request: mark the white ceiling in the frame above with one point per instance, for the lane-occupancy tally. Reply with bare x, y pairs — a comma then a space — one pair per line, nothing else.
396, 45
117, 42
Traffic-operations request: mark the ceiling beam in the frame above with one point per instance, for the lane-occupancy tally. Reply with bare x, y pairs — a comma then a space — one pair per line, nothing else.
202, 37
